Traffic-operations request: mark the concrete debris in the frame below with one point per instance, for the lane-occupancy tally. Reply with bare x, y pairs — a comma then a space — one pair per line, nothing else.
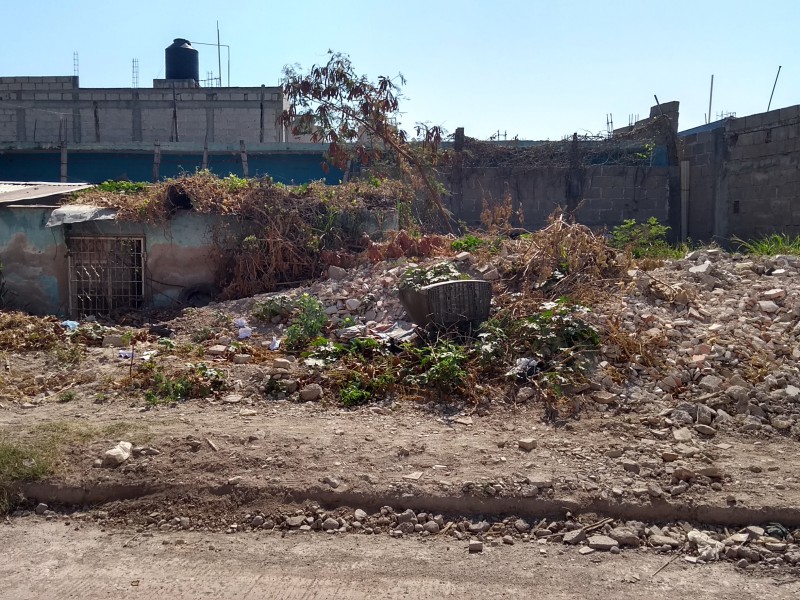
117, 455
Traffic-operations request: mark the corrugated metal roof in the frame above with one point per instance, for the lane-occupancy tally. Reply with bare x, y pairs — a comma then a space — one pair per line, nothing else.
33, 192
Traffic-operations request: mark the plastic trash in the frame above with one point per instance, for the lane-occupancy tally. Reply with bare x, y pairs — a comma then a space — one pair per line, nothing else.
127, 354
240, 322
709, 549
275, 343
245, 332
149, 355
71, 325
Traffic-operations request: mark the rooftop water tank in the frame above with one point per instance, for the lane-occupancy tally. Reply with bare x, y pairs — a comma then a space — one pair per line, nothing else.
182, 61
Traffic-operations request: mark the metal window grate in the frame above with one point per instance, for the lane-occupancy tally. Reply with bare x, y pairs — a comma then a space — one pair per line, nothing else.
106, 275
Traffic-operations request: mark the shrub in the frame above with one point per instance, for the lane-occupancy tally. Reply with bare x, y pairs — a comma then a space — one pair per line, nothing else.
307, 324
647, 239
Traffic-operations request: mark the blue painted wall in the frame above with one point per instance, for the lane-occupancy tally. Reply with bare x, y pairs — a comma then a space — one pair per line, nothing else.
96, 167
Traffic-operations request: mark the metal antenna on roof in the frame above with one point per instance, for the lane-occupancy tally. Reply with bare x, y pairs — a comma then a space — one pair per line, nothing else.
135, 73
75, 66
773, 87
710, 95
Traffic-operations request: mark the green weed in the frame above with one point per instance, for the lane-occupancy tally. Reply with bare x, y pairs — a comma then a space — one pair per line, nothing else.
770, 245
467, 243
307, 324
645, 240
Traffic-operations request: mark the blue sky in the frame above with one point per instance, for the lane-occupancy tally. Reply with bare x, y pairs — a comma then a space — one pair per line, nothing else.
540, 70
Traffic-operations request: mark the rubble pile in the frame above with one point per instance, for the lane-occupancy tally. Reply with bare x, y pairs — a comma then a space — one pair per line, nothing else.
772, 546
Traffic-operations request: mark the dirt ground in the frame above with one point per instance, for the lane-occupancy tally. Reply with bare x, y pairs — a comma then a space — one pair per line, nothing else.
54, 559
248, 458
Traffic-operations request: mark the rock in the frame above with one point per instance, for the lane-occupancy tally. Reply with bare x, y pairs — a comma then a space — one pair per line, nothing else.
574, 537
361, 515
774, 294
755, 531
701, 269
41, 508
522, 526
480, 527
491, 275
508, 540
602, 542
431, 527
330, 524
768, 306
331, 481
311, 392
475, 546
296, 521
743, 563
778, 547
113, 341
737, 393
217, 350
664, 540
527, 444
604, 397
257, 521
406, 527
281, 363
242, 359
232, 399
705, 415
710, 383
654, 490
625, 536
586, 550
705, 429
682, 435
336, 273
117, 455
247, 412
630, 465
352, 304
525, 393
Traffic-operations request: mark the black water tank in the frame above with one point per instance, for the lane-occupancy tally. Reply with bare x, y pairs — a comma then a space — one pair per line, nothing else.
182, 61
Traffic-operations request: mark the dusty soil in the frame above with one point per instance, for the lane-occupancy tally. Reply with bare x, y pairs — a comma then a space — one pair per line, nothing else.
624, 450
60, 559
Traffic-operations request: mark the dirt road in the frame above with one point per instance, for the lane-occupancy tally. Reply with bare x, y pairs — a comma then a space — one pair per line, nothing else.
44, 560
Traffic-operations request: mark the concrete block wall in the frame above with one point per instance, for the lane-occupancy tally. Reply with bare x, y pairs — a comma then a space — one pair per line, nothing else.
745, 177
762, 173
40, 84
611, 194
51, 109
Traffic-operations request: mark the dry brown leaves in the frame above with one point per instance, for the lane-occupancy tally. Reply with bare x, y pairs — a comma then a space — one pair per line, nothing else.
566, 258
23, 333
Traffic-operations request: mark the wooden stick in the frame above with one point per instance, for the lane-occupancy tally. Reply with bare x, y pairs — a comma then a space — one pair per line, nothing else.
664, 566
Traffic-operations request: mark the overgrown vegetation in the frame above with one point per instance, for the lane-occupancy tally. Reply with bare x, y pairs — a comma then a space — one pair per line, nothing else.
419, 277
770, 245
271, 233
647, 239
307, 324
194, 380
357, 118
20, 462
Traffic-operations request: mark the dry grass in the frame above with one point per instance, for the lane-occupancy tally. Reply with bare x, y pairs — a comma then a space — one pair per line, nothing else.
565, 259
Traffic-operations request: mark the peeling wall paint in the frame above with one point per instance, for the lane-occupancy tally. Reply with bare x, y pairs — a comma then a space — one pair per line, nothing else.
180, 257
